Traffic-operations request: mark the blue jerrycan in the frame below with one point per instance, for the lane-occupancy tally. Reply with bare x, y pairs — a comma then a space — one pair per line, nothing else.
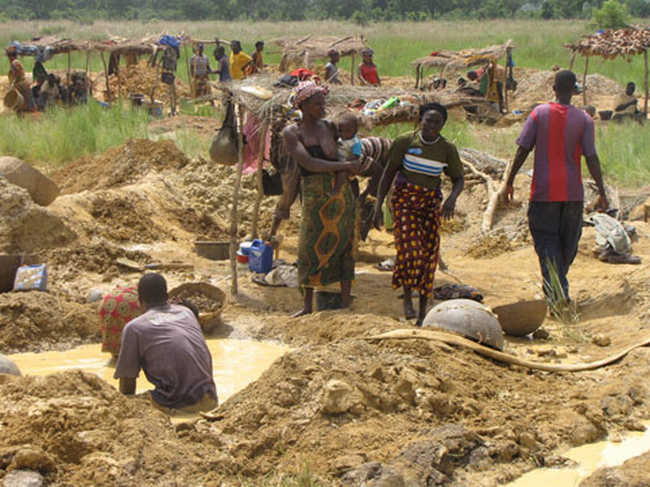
260, 258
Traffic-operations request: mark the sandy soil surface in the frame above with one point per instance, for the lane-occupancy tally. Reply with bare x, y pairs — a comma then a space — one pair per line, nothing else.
357, 411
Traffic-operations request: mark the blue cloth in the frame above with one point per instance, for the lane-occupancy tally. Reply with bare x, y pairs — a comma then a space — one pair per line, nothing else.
172, 41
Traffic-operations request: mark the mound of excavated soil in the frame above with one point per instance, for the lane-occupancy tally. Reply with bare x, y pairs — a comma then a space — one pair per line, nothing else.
120, 166
535, 87
94, 257
420, 409
140, 78
633, 473
210, 187
38, 321
77, 430
25, 226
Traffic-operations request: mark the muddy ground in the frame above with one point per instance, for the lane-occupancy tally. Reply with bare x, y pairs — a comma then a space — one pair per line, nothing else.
353, 410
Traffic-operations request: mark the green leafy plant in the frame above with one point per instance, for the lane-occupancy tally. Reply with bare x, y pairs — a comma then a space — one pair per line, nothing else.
612, 15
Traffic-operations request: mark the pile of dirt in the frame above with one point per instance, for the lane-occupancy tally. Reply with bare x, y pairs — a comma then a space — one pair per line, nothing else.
65, 264
27, 227
39, 321
535, 87
356, 402
77, 430
140, 78
120, 166
210, 187
503, 239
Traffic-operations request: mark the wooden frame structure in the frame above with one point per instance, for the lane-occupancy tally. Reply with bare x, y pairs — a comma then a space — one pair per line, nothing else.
611, 44
306, 49
457, 60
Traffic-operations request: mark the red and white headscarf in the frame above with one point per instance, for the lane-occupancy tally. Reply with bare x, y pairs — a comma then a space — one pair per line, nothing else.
306, 90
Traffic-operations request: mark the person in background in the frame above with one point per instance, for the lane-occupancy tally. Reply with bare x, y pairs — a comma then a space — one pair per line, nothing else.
625, 104
367, 70
118, 308
560, 134
200, 71
166, 342
258, 60
239, 61
331, 69
18, 81
36, 89
416, 162
50, 93
224, 66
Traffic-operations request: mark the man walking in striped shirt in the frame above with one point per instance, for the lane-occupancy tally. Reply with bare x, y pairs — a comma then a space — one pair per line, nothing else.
560, 134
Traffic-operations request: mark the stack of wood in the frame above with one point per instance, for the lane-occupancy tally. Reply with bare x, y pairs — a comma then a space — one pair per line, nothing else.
612, 43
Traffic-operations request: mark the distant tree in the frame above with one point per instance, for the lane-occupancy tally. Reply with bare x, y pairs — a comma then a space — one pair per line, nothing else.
196, 9
613, 15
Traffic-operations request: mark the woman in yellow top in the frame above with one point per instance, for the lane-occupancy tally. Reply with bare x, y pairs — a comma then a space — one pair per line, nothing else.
18, 81
239, 61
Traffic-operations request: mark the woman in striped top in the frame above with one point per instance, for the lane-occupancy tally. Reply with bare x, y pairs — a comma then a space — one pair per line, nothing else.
416, 162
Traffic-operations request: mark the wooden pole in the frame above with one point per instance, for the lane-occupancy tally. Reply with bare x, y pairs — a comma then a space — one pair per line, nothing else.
645, 54
573, 58
235, 202
504, 82
417, 76
352, 70
87, 78
108, 84
68, 73
260, 185
584, 82
189, 73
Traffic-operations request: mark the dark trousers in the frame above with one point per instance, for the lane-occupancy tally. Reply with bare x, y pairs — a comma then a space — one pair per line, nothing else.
556, 229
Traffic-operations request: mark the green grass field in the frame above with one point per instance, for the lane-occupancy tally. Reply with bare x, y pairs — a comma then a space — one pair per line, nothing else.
64, 135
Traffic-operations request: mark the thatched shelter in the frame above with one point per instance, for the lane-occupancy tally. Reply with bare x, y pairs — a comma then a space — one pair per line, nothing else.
456, 60
59, 46
610, 44
305, 50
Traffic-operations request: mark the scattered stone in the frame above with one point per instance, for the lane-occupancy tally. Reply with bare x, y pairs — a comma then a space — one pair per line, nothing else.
527, 440
94, 296
541, 334
547, 352
585, 432
601, 340
23, 478
41, 189
32, 459
345, 463
338, 397
8, 366
572, 349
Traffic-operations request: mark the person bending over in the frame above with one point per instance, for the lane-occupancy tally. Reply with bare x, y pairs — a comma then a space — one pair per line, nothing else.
166, 342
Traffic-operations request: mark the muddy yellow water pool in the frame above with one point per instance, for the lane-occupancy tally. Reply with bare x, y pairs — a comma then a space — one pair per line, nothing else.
588, 458
236, 363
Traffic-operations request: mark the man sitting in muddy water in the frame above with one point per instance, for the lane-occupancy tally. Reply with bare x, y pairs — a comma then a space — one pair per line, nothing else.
560, 134
166, 341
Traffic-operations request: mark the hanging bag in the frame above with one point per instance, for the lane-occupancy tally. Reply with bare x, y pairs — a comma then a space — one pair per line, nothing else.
224, 148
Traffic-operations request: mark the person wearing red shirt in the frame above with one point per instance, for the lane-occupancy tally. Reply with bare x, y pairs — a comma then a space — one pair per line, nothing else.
367, 70
560, 134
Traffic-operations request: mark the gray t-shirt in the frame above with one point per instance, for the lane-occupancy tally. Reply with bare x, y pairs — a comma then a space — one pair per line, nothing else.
168, 344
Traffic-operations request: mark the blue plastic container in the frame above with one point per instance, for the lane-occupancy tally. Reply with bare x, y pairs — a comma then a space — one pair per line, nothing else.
260, 257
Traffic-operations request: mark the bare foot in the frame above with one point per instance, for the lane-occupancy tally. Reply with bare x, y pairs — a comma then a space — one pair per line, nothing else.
304, 312
409, 310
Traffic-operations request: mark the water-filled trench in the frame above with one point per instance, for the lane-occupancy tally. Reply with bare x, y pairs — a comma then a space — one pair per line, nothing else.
588, 458
236, 363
